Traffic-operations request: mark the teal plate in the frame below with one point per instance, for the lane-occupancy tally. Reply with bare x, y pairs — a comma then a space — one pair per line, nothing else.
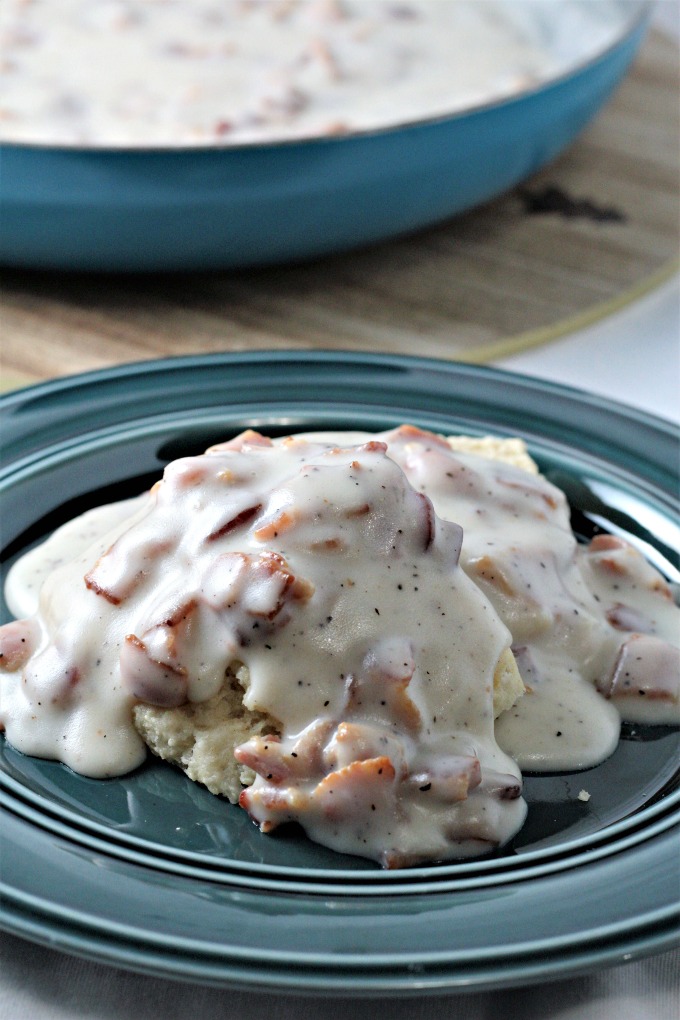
152, 873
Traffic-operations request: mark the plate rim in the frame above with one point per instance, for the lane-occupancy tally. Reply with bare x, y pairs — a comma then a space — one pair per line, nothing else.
645, 941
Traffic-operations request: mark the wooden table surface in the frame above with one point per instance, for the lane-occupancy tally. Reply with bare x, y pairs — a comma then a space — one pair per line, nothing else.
584, 236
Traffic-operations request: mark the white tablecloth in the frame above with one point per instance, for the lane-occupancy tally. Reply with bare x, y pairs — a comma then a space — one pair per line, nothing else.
41, 984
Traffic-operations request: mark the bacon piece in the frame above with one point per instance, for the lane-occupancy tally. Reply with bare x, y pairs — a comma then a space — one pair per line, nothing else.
265, 756
390, 860
18, 640
380, 688
451, 780
93, 584
628, 618
501, 785
616, 557
354, 790
270, 584
372, 446
167, 641
646, 667
319, 51
123, 567
284, 521
260, 585
309, 746
50, 676
222, 582
616, 562
359, 511
148, 680
411, 433
605, 543
427, 521
186, 473
660, 587
526, 664
328, 545
238, 521
488, 570
271, 806
550, 497
238, 443
357, 742
278, 764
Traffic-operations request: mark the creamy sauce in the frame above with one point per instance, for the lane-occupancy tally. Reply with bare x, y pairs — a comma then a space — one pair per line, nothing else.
186, 72
572, 610
332, 580
332, 566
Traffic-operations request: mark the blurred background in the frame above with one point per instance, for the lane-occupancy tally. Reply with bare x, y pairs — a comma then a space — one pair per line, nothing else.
570, 274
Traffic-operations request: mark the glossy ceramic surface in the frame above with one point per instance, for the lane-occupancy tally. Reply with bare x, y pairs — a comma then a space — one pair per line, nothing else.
161, 209
151, 872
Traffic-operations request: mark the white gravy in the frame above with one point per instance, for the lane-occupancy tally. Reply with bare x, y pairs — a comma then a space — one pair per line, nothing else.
333, 581
321, 565
187, 72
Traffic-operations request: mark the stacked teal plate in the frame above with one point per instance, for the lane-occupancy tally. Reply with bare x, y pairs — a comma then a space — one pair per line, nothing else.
152, 873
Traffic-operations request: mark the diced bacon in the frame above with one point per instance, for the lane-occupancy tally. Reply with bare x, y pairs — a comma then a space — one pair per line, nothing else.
270, 583
410, 433
240, 442
606, 543
234, 523
390, 860
610, 555
357, 742
427, 520
646, 667
224, 579
284, 521
271, 806
616, 558
502, 785
450, 781
124, 566
526, 664
319, 51
660, 587
351, 790
551, 498
627, 618
309, 745
485, 568
18, 640
380, 689
186, 473
611, 565
265, 756
153, 682
372, 446
51, 676
167, 640
358, 511
328, 545
92, 582
279, 764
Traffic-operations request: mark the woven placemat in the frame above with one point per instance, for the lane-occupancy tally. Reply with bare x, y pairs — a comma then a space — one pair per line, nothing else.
589, 233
